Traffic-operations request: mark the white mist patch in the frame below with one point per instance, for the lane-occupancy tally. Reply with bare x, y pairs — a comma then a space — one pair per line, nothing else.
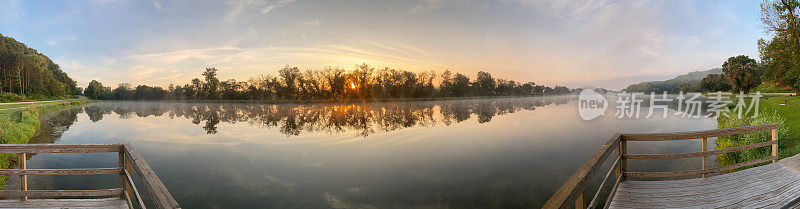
591, 104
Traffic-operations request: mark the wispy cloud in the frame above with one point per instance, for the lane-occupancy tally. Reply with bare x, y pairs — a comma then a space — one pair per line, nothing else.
275, 5
425, 5
158, 7
11, 11
106, 1
551, 42
310, 23
264, 7
66, 38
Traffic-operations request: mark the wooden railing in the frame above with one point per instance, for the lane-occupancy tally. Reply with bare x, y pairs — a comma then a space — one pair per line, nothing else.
573, 192
128, 159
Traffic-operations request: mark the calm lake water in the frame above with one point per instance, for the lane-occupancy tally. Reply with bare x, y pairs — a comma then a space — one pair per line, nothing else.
481, 153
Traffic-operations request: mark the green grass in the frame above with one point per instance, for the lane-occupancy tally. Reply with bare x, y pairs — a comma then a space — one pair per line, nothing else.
770, 111
10, 97
19, 125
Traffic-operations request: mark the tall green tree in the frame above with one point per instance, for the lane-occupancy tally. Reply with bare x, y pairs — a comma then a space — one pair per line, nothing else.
94, 90
461, 85
290, 76
714, 83
741, 72
780, 55
485, 84
211, 85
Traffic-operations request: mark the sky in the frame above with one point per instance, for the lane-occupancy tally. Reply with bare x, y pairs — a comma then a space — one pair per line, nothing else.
576, 43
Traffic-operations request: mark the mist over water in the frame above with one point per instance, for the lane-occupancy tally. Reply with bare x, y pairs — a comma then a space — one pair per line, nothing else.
479, 153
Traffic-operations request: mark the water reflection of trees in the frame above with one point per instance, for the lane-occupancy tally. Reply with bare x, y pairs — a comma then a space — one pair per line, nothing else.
295, 119
55, 125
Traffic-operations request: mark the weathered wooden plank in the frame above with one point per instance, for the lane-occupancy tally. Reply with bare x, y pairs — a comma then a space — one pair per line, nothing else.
700, 154
618, 155
696, 172
764, 198
580, 202
775, 146
60, 193
698, 134
772, 186
570, 190
71, 171
60, 148
115, 203
705, 158
677, 190
156, 188
122, 159
687, 185
23, 179
623, 165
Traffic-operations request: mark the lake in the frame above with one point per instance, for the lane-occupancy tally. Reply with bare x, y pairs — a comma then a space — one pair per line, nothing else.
476, 153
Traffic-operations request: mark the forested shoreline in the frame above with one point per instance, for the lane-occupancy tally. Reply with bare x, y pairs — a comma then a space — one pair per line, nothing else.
364, 82
27, 74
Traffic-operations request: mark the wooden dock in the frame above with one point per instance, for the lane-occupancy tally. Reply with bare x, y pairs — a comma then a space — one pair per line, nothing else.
774, 185
125, 196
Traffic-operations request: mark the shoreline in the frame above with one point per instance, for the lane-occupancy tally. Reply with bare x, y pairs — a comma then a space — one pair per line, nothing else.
18, 125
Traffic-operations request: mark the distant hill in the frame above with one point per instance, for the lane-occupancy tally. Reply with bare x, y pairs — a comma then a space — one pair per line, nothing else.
689, 82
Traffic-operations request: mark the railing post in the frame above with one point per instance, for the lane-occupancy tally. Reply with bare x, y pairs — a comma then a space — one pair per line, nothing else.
775, 145
123, 182
705, 158
23, 179
580, 202
623, 163
617, 155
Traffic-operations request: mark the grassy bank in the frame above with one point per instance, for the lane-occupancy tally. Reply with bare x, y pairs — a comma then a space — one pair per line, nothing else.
9, 97
770, 111
17, 126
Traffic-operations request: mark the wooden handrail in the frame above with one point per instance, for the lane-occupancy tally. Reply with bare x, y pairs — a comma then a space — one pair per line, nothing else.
569, 191
60, 193
696, 172
155, 187
128, 157
60, 148
698, 134
699, 154
77, 171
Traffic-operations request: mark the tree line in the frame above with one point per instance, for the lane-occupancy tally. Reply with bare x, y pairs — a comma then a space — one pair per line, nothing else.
25, 71
329, 84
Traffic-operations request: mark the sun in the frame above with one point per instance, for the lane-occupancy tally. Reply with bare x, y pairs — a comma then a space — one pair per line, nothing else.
352, 86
